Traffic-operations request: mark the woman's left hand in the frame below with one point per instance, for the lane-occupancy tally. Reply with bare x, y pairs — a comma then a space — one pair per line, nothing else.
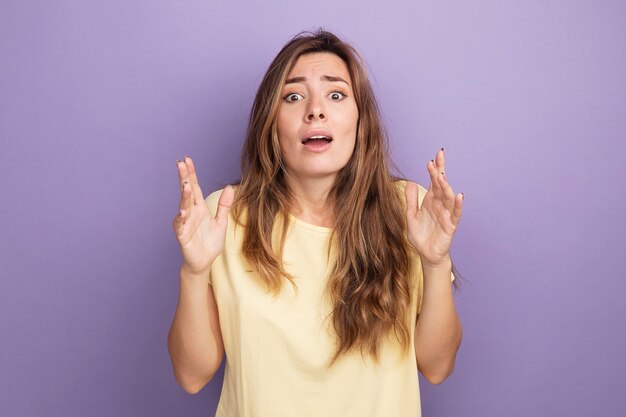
432, 226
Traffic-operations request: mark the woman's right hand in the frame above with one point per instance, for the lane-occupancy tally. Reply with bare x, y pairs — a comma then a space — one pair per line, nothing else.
200, 235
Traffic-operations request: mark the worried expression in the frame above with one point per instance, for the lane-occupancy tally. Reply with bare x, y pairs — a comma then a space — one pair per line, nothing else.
317, 117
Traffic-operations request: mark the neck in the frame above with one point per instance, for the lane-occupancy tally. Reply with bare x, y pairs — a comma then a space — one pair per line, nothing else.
311, 200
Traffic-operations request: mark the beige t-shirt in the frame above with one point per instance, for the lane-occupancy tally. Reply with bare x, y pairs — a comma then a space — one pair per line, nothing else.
277, 347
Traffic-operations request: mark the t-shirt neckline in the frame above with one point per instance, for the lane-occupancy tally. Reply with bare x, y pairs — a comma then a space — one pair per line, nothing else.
310, 226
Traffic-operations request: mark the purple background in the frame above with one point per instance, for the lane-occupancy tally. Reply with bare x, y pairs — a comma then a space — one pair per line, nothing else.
99, 99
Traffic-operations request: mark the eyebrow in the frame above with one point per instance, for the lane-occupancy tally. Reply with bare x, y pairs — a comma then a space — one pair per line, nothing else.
330, 78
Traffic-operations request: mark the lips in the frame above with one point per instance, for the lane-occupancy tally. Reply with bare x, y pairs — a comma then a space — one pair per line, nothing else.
317, 136
317, 139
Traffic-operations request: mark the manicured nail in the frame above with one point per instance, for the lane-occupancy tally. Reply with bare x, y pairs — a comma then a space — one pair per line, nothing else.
178, 161
462, 196
442, 149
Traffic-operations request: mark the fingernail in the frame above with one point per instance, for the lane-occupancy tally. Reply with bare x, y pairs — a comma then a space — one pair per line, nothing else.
187, 156
462, 196
442, 149
178, 161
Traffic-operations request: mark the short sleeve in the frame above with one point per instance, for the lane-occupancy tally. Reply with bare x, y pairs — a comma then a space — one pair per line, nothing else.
420, 195
421, 192
211, 202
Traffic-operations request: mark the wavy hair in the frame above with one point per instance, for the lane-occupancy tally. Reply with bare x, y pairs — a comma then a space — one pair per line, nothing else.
369, 282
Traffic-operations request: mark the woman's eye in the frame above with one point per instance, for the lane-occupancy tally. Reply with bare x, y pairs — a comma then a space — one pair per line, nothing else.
293, 97
337, 95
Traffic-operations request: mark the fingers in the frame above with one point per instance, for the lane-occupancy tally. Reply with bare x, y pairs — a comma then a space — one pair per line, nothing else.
186, 199
187, 172
458, 209
191, 168
183, 173
190, 192
435, 186
224, 203
435, 168
439, 161
447, 193
177, 225
452, 202
439, 186
183, 210
197, 193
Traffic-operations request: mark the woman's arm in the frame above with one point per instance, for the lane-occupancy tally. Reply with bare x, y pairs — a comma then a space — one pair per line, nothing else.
431, 226
438, 330
195, 339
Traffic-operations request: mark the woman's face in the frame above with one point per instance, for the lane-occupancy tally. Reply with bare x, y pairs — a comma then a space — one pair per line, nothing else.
317, 117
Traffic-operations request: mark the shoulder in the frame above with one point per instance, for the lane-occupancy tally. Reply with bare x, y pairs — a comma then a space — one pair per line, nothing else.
401, 187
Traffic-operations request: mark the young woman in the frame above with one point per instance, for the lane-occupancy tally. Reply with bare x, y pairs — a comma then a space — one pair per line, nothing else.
324, 280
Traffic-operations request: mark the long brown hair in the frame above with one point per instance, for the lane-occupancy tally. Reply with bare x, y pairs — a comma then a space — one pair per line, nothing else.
369, 284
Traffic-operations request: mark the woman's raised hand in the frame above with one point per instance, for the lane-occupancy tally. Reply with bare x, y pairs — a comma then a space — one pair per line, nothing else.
200, 235
432, 226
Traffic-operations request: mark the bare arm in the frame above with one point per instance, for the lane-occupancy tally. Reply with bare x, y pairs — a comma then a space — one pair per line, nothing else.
195, 339
431, 227
438, 331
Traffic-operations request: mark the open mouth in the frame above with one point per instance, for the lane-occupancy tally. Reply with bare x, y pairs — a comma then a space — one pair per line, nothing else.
317, 139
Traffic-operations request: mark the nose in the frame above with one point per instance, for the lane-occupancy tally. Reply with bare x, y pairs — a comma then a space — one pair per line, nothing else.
311, 116
315, 111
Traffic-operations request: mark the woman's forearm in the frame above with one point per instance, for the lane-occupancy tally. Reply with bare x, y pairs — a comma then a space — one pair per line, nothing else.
194, 340
438, 330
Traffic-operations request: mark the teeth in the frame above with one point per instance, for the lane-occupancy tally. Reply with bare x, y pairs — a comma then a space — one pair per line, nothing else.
318, 137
